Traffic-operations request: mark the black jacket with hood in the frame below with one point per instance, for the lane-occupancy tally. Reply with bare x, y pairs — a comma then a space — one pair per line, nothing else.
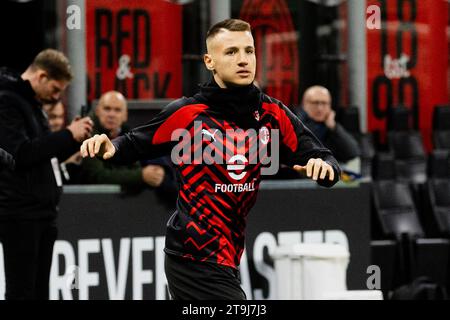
30, 190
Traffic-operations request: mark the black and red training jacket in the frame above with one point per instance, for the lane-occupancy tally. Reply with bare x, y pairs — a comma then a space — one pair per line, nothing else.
216, 196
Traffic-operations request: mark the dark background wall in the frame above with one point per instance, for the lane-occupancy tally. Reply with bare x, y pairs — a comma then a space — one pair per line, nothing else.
21, 32
87, 219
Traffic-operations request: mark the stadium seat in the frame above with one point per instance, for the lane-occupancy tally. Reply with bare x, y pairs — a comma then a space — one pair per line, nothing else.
441, 127
410, 155
349, 118
435, 195
397, 217
367, 146
398, 119
395, 209
438, 192
384, 255
383, 166
441, 117
441, 139
437, 251
439, 164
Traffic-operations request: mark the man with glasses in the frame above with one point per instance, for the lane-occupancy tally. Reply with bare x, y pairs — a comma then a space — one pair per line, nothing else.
318, 116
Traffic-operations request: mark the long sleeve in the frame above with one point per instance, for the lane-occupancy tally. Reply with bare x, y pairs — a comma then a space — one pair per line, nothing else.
154, 139
97, 171
298, 144
27, 151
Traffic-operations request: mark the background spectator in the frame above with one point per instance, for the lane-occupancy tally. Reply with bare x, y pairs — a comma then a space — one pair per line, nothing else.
71, 167
56, 115
317, 115
29, 195
109, 118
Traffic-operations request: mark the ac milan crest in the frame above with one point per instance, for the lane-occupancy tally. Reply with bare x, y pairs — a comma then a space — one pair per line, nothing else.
256, 115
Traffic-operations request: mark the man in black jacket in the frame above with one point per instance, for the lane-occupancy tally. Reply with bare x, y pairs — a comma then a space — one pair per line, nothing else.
205, 236
30, 193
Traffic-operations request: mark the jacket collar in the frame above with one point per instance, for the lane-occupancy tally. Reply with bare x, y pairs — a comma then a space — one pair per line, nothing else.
239, 104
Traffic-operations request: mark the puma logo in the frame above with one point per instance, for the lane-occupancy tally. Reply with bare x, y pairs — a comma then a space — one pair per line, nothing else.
207, 133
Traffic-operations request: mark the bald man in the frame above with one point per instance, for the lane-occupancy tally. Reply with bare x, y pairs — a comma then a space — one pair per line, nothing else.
110, 116
112, 112
318, 116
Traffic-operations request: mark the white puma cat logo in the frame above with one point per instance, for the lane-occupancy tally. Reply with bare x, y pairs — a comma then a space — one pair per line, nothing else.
206, 132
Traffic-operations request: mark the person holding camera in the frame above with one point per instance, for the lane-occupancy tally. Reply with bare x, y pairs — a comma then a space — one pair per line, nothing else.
30, 193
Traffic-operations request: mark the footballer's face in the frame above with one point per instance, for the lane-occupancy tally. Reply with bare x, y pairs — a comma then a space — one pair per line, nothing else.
231, 57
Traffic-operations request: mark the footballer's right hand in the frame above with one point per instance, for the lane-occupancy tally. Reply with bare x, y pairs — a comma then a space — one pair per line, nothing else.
98, 145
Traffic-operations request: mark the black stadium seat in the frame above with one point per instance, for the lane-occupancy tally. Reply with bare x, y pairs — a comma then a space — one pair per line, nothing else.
395, 209
441, 127
439, 164
384, 255
348, 117
436, 195
407, 146
431, 259
435, 212
410, 155
367, 146
441, 117
397, 218
441, 139
398, 119
383, 166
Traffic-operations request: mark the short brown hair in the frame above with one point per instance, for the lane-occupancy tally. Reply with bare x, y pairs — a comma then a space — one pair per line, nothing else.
228, 24
55, 63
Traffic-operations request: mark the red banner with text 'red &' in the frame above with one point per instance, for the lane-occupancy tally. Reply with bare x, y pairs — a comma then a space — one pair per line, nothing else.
407, 62
134, 47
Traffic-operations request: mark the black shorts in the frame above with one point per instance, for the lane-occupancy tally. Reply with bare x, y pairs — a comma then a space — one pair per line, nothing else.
193, 280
